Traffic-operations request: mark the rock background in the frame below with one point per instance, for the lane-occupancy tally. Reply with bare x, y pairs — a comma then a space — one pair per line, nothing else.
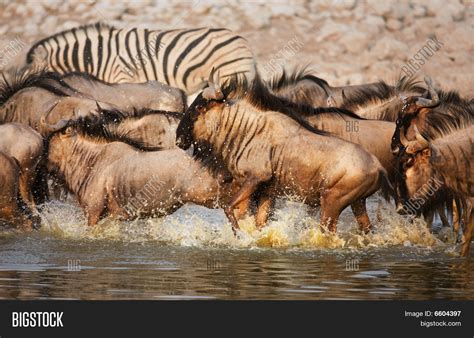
345, 41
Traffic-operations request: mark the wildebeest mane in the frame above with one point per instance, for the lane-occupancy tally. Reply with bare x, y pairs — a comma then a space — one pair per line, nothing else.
451, 114
138, 113
286, 79
21, 79
379, 93
95, 127
259, 96
204, 153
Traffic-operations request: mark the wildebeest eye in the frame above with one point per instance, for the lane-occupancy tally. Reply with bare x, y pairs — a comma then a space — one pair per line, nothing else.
409, 162
67, 130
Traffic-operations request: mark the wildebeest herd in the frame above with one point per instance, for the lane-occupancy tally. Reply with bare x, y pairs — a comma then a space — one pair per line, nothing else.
103, 113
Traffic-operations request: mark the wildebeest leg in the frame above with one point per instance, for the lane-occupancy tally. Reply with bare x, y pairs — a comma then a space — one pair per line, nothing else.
456, 217
25, 184
428, 216
242, 208
244, 193
94, 214
360, 212
467, 235
33, 220
443, 217
14, 215
330, 211
264, 208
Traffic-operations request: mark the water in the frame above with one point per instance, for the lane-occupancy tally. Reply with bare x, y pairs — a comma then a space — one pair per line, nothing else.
192, 254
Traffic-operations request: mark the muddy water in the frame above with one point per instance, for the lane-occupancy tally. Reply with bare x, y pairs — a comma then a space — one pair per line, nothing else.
192, 254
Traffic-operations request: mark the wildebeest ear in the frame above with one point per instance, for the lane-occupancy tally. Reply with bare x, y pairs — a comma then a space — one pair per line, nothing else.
213, 90
435, 156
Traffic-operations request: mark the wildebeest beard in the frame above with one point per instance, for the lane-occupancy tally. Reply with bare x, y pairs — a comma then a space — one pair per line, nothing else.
212, 160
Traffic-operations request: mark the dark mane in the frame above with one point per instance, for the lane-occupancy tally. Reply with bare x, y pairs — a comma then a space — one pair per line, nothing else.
95, 127
139, 113
258, 95
451, 114
19, 80
29, 55
285, 80
381, 93
362, 96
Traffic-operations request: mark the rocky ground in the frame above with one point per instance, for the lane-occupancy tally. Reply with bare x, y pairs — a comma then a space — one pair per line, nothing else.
345, 41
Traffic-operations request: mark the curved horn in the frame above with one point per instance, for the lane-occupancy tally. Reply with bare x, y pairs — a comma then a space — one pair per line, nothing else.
99, 108
421, 140
421, 102
417, 145
213, 90
403, 139
52, 128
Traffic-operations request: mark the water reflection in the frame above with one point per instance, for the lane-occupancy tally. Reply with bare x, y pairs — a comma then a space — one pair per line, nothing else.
39, 267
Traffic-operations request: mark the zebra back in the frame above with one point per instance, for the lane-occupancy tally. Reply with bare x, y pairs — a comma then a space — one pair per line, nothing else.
181, 58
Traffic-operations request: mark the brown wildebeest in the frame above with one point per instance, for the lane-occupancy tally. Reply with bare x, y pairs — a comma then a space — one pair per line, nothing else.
267, 148
124, 96
12, 208
111, 177
376, 101
26, 146
435, 116
444, 162
152, 128
24, 98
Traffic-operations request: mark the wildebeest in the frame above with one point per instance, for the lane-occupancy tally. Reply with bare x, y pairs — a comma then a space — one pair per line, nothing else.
124, 96
26, 146
363, 132
444, 162
152, 128
110, 177
270, 150
435, 115
376, 101
12, 208
24, 98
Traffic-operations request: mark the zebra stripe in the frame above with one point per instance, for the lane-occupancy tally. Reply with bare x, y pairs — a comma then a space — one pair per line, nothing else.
181, 58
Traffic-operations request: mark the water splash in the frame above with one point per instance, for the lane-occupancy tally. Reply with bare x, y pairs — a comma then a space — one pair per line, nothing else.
292, 226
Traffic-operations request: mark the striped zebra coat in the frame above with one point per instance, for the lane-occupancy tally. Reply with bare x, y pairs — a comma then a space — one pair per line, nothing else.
181, 58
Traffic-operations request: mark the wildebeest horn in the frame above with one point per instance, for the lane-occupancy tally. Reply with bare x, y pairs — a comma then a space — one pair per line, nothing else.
213, 90
99, 108
52, 128
423, 142
331, 102
403, 139
419, 144
421, 102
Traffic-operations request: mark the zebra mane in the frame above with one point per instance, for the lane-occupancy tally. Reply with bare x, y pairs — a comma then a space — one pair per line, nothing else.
98, 25
96, 128
285, 79
258, 94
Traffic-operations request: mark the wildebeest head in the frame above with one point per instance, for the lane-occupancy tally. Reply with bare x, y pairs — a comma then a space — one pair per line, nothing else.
413, 112
194, 124
416, 182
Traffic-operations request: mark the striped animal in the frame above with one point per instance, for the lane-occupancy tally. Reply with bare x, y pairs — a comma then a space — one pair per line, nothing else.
181, 58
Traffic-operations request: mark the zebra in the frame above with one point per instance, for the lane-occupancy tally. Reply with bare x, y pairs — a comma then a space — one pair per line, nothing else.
181, 58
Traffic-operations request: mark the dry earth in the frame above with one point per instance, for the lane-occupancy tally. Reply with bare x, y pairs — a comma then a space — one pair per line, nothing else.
345, 41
